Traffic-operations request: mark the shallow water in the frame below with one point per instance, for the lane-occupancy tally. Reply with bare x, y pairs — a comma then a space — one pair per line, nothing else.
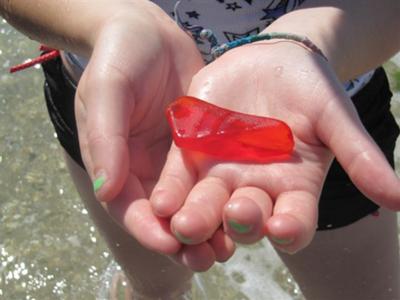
49, 248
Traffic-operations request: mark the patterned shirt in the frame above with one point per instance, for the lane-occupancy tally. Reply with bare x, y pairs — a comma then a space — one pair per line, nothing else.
229, 20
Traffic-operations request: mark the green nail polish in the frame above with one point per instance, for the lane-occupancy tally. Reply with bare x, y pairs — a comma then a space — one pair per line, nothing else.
239, 228
182, 238
281, 241
98, 183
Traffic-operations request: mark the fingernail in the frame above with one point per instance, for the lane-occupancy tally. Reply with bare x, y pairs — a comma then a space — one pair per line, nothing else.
98, 182
183, 238
239, 228
281, 241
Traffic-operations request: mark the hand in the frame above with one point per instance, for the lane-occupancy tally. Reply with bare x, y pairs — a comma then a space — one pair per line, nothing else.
285, 81
139, 63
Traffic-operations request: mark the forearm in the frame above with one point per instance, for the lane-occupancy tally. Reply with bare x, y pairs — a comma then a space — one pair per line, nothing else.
72, 25
61, 24
356, 36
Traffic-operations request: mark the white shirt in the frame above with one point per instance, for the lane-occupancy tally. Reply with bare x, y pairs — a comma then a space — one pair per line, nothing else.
229, 20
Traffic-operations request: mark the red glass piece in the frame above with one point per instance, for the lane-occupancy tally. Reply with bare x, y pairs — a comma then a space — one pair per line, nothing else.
200, 126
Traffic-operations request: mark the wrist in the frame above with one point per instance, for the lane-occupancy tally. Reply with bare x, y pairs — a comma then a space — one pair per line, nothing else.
322, 34
281, 57
284, 36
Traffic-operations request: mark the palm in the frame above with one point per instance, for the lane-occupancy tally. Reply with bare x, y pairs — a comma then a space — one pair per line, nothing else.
276, 96
279, 198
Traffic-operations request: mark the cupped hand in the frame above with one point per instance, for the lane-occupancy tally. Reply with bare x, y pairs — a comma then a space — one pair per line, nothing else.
140, 62
282, 80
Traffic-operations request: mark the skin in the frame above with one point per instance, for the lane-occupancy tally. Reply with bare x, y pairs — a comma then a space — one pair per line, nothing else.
133, 130
347, 30
120, 103
279, 199
289, 83
124, 137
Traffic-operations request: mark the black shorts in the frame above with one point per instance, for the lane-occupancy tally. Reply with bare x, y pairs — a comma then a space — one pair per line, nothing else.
340, 204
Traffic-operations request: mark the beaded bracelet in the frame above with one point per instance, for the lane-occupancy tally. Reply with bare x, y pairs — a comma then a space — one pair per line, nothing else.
219, 50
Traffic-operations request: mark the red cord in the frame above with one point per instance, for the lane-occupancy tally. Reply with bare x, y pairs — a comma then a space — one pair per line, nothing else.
45, 48
51, 54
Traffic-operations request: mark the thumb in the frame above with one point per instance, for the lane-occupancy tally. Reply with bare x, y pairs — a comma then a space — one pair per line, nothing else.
340, 128
103, 105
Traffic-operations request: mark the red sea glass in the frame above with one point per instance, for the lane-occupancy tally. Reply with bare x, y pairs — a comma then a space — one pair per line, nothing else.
200, 126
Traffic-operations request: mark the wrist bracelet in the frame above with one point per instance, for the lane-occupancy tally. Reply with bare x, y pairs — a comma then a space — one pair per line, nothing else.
219, 50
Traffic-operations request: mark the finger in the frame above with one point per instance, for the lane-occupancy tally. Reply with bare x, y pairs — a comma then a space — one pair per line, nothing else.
80, 114
103, 105
201, 214
294, 221
198, 258
342, 131
246, 214
134, 213
222, 245
175, 183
